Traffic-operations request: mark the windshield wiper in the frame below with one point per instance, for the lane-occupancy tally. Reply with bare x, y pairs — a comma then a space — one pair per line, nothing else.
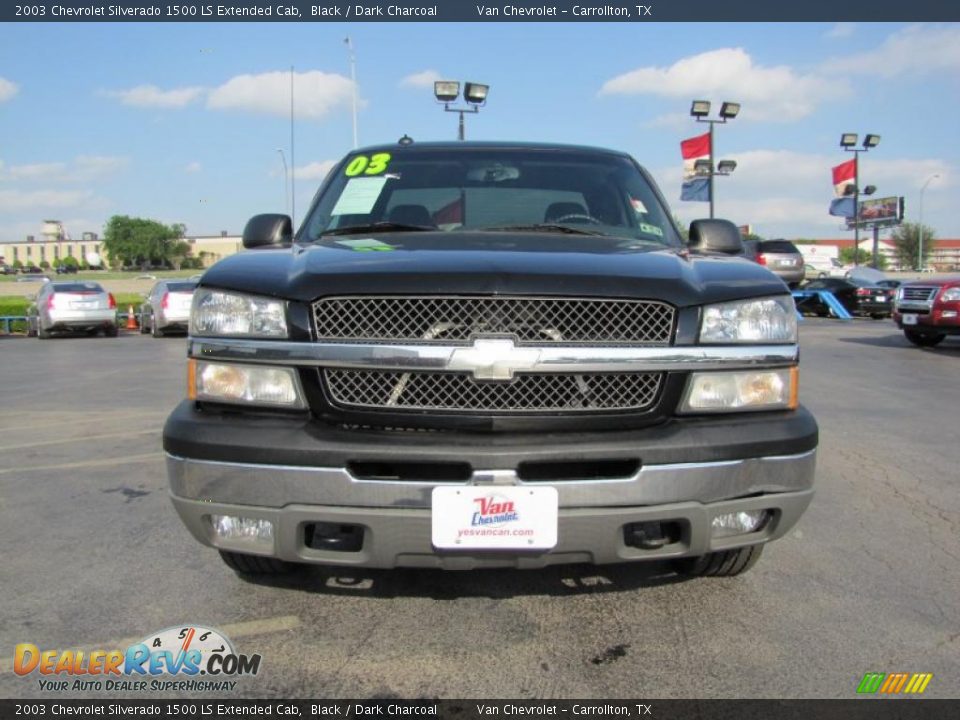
378, 227
543, 227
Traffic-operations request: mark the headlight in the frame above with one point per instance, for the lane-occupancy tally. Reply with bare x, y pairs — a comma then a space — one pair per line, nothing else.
951, 295
767, 320
217, 313
244, 384
741, 391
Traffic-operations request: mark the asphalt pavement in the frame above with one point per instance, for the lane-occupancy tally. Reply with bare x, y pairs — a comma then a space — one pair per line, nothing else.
92, 555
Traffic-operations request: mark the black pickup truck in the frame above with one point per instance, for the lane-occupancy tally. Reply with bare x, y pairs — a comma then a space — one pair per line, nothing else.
490, 355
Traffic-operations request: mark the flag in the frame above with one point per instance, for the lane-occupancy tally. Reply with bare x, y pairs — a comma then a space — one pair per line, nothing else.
844, 176
695, 187
842, 207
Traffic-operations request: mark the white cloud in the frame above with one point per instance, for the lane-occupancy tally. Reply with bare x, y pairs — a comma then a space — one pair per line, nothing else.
84, 168
315, 94
915, 49
33, 172
841, 30
314, 170
767, 93
18, 200
193, 167
7, 89
153, 97
423, 79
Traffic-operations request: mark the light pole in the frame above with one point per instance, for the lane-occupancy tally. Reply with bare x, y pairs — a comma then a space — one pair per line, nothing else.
353, 82
286, 181
699, 110
475, 94
848, 142
920, 229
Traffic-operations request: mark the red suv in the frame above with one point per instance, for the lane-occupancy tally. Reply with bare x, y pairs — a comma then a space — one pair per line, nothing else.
928, 310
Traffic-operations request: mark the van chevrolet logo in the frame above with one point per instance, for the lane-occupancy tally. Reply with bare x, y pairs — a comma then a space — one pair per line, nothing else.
493, 359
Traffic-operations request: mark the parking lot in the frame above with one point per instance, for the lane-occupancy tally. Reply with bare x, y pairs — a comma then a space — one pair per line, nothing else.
94, 554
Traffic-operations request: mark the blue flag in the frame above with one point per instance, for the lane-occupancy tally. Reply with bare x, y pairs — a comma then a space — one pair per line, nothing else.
842, 207
696, 189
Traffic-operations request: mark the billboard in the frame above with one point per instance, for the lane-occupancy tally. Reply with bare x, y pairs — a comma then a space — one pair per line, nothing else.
879, 211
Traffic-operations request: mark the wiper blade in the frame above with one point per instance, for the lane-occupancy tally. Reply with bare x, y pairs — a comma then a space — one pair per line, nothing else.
543, 227
378, 227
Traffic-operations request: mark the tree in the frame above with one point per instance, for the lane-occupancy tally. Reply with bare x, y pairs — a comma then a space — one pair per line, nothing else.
179, 250
133, 241
846, 256
906, 240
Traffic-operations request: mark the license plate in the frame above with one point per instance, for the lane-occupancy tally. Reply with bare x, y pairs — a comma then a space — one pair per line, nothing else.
81, 304
909, 319
786, 263
881, 298
494, 517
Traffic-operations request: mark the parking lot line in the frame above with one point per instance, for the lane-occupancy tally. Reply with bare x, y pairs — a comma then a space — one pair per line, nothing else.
88, 463
231, 630
82, 438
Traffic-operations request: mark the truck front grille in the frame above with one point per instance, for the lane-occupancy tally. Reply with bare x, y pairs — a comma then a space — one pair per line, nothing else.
532, 392
918, 294
531, 320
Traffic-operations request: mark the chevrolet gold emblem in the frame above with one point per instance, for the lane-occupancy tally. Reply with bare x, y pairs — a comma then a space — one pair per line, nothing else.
493, 359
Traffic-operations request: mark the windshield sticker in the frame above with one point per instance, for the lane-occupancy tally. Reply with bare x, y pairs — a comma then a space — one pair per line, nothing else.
363, 165
651, 229
359, 196
638, 206
365, 245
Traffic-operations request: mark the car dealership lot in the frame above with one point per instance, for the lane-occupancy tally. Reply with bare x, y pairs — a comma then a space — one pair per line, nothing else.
95, 557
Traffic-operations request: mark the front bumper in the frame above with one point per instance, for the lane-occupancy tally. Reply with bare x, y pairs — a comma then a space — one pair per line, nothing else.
689, 472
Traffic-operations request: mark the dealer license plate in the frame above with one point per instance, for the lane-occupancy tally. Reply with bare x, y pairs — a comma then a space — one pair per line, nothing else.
909, 319
494, 517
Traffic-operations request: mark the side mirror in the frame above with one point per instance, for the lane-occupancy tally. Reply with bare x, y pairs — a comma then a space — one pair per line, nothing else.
715, 236
268, 229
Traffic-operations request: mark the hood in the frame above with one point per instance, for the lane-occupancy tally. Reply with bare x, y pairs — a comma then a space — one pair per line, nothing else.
501, 263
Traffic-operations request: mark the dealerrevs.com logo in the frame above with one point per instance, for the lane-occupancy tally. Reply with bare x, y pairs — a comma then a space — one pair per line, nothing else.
173, 659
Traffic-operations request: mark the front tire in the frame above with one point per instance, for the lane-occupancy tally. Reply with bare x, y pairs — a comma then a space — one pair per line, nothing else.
243, 564
923, 339
725, 563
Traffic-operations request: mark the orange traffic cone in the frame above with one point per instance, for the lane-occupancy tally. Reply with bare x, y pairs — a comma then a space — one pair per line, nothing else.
131, 319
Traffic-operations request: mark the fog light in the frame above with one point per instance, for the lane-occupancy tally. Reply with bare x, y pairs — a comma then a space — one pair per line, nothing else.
247, 384
740, 523
254, 533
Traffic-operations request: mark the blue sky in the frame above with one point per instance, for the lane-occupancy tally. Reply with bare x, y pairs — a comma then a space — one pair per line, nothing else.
181, 122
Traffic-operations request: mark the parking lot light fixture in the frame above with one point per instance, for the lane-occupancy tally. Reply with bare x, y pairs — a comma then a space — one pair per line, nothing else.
729, 110
446, 90
848, 141
474, 94
700, 109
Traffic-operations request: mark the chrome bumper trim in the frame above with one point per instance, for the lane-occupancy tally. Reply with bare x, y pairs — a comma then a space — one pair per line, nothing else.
442, 357
276, 486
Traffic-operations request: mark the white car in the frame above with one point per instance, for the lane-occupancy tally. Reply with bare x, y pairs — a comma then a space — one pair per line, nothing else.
166, 307
825, 267
72, 305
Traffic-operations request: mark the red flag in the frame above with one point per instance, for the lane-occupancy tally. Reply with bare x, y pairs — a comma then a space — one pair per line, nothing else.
696, 147
844, 175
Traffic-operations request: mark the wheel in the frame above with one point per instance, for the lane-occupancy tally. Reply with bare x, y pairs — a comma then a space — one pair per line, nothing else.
154, 330
878, 316
257, 565
41, 333
578, 217
923, 339
111, 331
725, 563
143, 324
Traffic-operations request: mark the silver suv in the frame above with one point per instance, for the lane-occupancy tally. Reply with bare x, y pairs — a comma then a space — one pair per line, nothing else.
781, 257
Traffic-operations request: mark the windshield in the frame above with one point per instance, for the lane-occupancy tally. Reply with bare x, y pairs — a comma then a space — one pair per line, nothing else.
491, 190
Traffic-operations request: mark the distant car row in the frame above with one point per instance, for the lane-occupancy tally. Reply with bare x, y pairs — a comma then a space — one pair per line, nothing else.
85, 307
34, 270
